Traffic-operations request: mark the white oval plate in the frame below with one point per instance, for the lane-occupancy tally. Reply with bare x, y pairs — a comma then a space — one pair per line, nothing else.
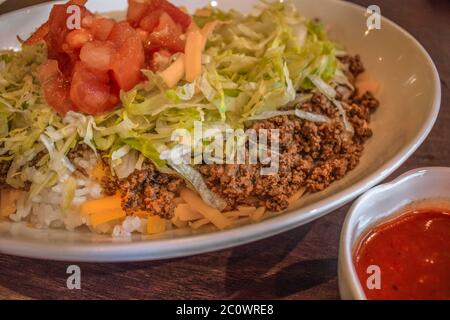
410, 98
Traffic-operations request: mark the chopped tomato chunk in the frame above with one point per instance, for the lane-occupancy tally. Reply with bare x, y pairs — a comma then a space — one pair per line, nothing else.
150, 21
55, 87
98, 55
88, 66
101, 28
121, 32
129, 59
77, 38
91, 91
167, 34
58, 48
136, 11
175, 13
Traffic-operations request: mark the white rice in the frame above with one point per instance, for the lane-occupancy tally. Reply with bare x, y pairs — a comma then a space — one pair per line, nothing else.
128, 226
45, 209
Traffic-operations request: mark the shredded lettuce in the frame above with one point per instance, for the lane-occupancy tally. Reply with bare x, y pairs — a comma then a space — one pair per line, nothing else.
147, 149
125, 164
69, 192
313, 117
196, 180
330, 93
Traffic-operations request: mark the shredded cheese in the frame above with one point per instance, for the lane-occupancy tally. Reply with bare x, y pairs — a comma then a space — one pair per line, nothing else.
178, 223
247, 210
176, 201
207, 30
295, 197
106, 216
258, 214
199, 223
365, 83
141, 214
193, 53
235, 214
156, 224
8, 201
174, 72
98, 205
211, 214
184, 212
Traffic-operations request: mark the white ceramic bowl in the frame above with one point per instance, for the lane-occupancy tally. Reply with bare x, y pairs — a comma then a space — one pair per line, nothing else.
410, 99
425, 187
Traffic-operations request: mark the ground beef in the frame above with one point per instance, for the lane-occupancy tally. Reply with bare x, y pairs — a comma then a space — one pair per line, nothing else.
110, 184
312, 155
5, 165
147, 190
81, 152
4, 168
354, 66
358, 112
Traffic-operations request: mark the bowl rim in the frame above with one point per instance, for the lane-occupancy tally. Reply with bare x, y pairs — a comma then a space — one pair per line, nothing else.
218, 240
347, 268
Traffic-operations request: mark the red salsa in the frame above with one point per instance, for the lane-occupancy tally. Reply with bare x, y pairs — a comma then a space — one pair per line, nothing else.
412, 252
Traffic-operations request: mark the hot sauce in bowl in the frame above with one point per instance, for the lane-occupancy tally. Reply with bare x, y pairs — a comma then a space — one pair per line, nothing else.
411, 253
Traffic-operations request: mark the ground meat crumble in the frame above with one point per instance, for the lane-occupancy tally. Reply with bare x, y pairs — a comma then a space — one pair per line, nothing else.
312, 155
147, 189
4, 168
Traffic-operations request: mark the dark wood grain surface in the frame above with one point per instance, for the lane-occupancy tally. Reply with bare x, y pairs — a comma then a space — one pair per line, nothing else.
299, 264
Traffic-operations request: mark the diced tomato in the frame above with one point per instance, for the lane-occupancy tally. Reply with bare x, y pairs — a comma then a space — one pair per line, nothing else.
58, 30
78, 37
166, 22
120, 33
44, 29
55, 86
150, 21
98, 55
87, 21
58, 25
176, 14
101, 28
56, 37
89, 66
173, 11
143, 35
166, 35
129, 59
136, 11
128, 63
91, 91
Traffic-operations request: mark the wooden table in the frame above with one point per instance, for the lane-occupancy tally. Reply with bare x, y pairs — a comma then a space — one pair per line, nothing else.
299, 264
